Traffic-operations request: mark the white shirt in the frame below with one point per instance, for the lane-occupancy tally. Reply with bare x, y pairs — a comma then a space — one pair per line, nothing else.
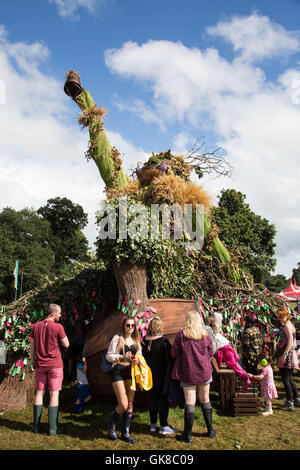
221, 340
113, 354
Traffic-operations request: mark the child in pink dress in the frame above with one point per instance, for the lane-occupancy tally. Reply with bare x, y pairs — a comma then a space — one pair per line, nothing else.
267, 385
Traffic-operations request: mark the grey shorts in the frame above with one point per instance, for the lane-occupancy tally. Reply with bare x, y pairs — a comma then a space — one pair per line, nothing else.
183, 384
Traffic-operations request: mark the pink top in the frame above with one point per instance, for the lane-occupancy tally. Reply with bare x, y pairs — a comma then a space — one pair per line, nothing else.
46, 335
267, 384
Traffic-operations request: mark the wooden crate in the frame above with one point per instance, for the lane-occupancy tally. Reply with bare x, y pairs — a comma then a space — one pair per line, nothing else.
246, 404
226, 385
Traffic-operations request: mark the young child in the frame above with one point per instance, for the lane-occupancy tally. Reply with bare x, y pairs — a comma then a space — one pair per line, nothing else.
267, 385
226, 353
84, 394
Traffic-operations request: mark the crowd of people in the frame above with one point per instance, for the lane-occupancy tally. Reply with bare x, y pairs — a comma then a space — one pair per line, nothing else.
186, 364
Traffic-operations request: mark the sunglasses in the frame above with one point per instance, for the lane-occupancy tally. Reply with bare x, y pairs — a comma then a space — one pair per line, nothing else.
129, 325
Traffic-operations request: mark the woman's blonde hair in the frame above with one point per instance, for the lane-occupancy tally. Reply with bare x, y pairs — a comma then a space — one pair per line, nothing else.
193, 326
155, 327
283, 313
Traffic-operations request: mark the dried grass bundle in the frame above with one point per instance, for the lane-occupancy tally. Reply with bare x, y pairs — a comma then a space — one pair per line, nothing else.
171, 189
148, 175
72, 75
132, 189
86, 117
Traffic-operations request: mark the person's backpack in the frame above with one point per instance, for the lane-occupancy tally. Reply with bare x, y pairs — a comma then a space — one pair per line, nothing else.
105, 365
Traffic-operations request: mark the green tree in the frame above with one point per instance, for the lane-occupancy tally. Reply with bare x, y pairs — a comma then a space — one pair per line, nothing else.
296, 274
67, 241
24, 236
245, 232
276, 283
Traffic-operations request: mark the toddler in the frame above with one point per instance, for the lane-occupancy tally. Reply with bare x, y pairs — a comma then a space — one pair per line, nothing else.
267, 385
84, 394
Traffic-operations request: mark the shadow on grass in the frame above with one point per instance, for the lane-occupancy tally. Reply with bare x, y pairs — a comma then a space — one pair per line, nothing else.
15, 425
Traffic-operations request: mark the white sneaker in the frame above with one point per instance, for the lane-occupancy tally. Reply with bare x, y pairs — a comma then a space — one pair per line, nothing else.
167, 430
268, 412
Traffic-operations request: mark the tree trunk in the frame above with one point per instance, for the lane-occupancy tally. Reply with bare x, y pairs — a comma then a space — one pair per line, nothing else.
17, 394
132, 283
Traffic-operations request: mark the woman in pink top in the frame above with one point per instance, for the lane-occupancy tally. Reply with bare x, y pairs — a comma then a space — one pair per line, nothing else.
288, 360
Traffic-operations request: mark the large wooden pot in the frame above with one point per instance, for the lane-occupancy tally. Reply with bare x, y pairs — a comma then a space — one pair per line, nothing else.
171, 311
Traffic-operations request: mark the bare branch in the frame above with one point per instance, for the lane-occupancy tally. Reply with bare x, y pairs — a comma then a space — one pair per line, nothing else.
208, 162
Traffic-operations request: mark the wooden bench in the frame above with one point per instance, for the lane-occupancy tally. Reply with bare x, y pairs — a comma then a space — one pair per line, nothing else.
227, 380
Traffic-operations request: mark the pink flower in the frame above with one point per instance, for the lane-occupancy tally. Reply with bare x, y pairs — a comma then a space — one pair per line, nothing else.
151, 309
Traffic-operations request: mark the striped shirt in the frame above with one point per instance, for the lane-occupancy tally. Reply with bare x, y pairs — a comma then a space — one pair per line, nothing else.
192, 359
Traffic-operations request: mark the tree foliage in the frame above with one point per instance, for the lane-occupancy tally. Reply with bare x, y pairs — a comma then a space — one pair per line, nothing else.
66, 221
245, 233
276, 283
296, 274
24, 236
46, 243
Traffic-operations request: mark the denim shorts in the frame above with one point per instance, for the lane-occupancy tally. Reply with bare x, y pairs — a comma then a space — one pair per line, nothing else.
184, 384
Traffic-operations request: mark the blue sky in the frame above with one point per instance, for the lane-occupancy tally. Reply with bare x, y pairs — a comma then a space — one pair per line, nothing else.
168, 72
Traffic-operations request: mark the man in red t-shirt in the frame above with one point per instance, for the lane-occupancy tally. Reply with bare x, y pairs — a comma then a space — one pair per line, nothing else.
46, 338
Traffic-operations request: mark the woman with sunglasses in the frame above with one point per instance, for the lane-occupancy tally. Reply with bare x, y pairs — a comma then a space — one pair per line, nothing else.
121, 352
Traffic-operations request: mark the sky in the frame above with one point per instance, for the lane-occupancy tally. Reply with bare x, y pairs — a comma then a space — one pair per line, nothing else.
170, 73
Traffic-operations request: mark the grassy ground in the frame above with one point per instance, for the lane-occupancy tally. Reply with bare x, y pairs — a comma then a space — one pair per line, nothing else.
88, 431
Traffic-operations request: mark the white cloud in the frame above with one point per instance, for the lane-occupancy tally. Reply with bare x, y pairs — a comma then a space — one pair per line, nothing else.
69, 8
41, 155
256, 120
140, 108
256, 37
184, 82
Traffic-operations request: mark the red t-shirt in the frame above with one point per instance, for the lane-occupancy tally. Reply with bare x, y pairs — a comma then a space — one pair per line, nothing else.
46, 335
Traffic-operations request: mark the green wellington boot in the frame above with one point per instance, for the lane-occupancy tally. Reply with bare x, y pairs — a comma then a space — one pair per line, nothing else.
37, 413
52, 420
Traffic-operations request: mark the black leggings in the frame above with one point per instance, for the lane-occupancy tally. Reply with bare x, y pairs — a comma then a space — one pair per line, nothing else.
289, 385
158, 405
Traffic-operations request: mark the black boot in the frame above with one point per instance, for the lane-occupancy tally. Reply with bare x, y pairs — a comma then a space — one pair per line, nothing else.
189, 414
127, 417
207, 415
112, 425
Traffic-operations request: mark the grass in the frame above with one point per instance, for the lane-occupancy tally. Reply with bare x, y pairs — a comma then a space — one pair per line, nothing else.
88, 431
